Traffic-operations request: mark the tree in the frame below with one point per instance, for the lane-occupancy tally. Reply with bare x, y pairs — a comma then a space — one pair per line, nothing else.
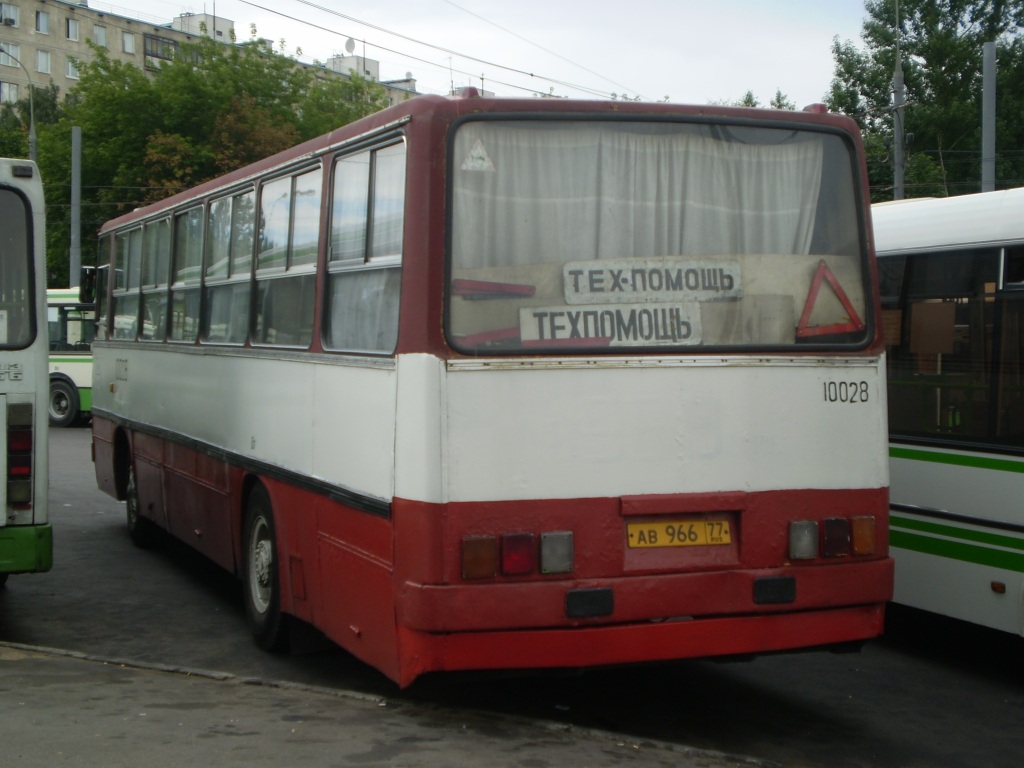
940, 44
332, 102
778, 101
781, 101
212, 109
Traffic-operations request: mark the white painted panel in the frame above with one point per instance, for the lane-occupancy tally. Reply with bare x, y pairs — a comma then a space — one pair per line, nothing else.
607, 429
353, 427
958, 589
420, 444
953, 488
320, 418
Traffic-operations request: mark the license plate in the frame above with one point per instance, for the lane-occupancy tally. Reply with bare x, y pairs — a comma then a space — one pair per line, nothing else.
692, 533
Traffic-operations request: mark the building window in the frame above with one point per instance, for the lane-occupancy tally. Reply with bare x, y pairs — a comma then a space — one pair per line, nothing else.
43, 62
42, 22
71, 70
8, 93
159, 51
128, 42
71, 28
10, 54
99, 35
9, 14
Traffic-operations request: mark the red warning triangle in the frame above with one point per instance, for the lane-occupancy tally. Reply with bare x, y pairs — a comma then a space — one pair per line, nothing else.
803, 330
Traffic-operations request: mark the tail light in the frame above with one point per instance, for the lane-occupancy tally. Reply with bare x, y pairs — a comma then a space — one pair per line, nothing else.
833, 537
517, 554
20, 443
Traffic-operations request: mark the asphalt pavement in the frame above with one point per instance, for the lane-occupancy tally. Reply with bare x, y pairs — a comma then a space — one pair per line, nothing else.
65, 708
163, 697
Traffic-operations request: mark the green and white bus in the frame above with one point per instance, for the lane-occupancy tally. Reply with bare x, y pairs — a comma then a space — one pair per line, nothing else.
72, 325
952, 280
26, 542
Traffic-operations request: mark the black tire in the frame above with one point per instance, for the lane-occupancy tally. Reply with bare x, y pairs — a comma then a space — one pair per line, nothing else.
3, 579
63, 405
261, 583
143, 532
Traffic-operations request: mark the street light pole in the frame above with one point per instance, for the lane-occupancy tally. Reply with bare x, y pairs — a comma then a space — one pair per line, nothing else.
31, 108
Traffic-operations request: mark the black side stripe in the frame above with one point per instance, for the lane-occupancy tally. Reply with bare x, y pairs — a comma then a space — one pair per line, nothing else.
358, 501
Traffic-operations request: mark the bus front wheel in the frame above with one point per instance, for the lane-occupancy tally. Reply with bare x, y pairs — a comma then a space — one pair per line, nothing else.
63, 403
261, 582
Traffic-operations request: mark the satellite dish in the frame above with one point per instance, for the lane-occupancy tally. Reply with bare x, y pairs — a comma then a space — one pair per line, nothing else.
350, 45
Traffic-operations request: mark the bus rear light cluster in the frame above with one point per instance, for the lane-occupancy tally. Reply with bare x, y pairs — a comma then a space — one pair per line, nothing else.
19, 454
517, 554
833, 537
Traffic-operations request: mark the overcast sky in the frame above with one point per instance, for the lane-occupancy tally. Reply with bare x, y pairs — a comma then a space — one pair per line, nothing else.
692, 51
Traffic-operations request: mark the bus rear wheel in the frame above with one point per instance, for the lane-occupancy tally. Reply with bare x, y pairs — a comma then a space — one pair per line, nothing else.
63, 406
261, 582
143, 532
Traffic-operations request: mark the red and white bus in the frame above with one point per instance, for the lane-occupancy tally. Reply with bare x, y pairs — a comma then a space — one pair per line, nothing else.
481, 383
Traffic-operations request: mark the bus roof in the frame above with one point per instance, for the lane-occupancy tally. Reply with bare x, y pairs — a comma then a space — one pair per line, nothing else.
448, 108
945, 223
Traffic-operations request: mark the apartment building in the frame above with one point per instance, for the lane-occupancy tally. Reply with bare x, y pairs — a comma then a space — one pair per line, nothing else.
43, 41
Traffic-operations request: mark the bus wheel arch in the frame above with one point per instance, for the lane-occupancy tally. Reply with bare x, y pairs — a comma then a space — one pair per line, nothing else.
63, 404
261, 577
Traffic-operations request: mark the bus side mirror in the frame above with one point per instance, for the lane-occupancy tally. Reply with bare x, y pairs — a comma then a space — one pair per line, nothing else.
87, 286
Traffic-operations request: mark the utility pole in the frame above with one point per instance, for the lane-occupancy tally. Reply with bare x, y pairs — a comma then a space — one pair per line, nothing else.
988, 119
75, 253
899, 100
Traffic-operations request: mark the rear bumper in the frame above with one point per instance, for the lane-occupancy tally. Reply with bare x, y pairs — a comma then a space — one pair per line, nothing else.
639, 618
26, 548
596, 646
642, 598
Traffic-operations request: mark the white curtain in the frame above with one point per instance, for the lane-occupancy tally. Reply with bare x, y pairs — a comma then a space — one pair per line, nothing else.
538, 192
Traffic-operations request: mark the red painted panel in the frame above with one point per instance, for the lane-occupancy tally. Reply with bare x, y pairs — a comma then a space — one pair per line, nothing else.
148, 448
390, 591
760, 535
358, 604
645, 598
621, 644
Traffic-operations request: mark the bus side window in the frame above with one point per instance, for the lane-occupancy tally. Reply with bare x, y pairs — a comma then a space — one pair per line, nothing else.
939, 379
1013, 269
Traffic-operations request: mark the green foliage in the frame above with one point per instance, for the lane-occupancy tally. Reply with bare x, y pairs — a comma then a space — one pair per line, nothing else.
748, 100
147, 135
781, 101
941, 43
331, 102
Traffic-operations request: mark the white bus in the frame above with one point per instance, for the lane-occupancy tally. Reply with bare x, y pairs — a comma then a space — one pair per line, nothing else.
953, 307
72, 326
26, 542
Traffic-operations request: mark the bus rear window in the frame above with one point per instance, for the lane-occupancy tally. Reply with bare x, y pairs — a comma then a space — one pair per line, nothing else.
16, 326
668, 235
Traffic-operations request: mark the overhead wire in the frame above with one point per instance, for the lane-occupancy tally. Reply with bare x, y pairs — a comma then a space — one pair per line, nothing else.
554, 81
541, 47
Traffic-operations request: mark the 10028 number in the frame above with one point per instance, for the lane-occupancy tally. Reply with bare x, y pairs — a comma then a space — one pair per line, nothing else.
846, 391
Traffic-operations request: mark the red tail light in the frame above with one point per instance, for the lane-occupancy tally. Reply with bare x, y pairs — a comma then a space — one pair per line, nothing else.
20, 445
19, 440
518, 554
